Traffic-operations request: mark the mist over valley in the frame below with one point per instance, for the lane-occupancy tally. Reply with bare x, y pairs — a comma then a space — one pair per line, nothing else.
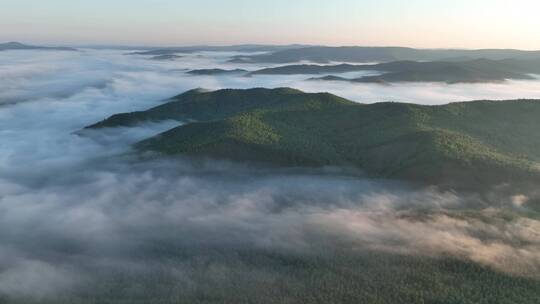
186, 175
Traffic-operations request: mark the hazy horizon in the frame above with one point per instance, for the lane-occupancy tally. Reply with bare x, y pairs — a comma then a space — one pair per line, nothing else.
135, 46
417, 23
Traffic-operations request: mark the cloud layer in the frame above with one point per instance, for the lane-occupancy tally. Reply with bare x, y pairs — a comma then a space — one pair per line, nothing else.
73, 208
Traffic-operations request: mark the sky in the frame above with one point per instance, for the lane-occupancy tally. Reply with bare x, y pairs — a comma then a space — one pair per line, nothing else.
414, 23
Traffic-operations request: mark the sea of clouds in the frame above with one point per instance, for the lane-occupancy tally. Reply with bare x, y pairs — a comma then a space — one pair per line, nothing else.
74, 207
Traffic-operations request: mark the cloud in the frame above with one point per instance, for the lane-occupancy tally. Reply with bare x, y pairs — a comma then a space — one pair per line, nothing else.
507, 246
96, 218
77, 211
36, 279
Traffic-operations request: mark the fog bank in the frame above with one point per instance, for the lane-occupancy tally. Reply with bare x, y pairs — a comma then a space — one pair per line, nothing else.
76, 211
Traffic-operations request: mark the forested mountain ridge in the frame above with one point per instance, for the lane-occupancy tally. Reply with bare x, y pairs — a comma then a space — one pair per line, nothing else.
480, 142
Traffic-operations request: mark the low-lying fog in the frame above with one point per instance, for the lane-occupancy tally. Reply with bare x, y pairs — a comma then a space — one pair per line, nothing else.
71, 206
29, 75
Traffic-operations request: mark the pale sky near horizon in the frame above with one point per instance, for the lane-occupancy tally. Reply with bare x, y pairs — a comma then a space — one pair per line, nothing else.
414, 23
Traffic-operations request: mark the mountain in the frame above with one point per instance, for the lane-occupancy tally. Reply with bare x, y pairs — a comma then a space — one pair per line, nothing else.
216, 72
244, 48
201, 105
478, 70
312, 69
472, 143
165, 57
20, 46
322, 54
450, 75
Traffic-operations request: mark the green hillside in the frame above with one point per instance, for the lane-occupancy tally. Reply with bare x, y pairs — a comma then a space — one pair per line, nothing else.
201, 105
480, 142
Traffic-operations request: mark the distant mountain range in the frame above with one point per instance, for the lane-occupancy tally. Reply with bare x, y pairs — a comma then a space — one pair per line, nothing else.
244, 48
317, 54
459, 144
20, 46
471, 71
479, 70
322, 54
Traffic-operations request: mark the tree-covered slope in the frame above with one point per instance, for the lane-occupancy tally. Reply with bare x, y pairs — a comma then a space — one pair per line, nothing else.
224, 275
472, 142
201, 105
